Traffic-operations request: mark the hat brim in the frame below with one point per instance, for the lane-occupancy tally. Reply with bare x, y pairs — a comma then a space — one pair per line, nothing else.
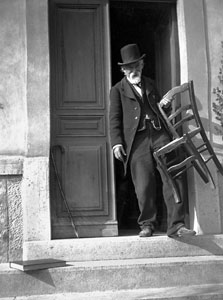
131, 62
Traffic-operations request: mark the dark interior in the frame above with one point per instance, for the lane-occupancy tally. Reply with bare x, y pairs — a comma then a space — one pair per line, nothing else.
135, 22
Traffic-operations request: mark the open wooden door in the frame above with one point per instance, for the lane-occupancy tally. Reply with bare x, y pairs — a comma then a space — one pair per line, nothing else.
167, 51
80, 83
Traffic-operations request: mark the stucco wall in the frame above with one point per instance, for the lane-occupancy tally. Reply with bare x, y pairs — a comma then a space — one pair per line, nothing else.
11, 216
37, 78
24, 70
197, 18
24, 124
214, 9
13, 124
204, 34
13, 77
35, 184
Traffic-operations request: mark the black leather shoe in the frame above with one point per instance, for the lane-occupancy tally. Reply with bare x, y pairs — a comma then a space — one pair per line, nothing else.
146, 232
183, 232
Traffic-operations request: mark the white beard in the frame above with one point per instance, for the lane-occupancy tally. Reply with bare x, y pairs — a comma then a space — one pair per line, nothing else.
135, 77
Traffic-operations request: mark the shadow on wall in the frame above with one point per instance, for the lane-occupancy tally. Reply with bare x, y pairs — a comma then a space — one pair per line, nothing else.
215, 129
207, 243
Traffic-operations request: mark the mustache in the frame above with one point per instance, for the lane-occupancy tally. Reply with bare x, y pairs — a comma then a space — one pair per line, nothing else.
135, 75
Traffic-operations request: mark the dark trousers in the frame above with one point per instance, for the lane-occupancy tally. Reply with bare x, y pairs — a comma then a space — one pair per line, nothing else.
143, 171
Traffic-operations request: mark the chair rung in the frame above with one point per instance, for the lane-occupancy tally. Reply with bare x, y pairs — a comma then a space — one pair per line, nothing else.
194, 132
183, 120
185, 162
183, 171
202, 145
202, 150
171, 146
179, 111
209, 158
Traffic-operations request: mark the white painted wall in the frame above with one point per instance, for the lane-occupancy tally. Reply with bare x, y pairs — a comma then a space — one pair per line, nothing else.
13, 112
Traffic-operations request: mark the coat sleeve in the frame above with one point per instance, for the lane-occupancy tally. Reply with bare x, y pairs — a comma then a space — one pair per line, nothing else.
116, 117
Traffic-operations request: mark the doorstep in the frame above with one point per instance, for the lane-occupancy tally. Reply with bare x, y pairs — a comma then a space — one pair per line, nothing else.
123, 247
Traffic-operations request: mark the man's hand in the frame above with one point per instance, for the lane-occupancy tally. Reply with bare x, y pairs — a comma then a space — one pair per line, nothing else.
165, 102
119, 152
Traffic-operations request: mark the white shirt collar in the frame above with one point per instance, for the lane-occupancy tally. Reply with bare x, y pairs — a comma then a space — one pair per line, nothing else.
136, 87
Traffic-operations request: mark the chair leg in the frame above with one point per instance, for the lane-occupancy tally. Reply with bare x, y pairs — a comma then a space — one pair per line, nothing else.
207, 176
213, 155
160, 163
218, 164
204, 176
176, 194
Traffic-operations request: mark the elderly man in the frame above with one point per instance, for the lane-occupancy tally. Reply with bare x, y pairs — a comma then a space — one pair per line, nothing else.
137, 129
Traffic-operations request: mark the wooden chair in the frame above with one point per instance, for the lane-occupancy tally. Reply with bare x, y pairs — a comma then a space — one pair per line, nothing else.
189, 143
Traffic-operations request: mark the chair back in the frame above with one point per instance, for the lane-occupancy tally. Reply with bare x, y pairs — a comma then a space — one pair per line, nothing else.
187, 129
181, 119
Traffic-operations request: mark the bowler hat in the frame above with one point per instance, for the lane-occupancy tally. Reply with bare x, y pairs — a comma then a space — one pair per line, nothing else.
130, 54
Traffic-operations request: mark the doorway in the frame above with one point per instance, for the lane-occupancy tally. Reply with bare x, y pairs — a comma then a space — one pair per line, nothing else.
152, 25
80, 47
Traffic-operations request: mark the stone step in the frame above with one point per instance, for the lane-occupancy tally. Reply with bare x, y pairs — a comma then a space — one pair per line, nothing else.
127, 247
194, 292
113, 275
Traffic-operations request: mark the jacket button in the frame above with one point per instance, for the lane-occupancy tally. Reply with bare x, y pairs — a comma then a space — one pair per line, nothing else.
136, 118
135, 107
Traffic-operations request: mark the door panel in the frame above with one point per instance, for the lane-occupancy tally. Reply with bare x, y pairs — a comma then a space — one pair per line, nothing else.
79, 118
79, 57
85, 197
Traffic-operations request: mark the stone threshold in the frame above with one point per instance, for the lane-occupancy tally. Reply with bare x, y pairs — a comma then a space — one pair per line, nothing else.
123, 247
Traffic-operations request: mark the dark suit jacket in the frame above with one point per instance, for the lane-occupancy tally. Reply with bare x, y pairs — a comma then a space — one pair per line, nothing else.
125, 112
